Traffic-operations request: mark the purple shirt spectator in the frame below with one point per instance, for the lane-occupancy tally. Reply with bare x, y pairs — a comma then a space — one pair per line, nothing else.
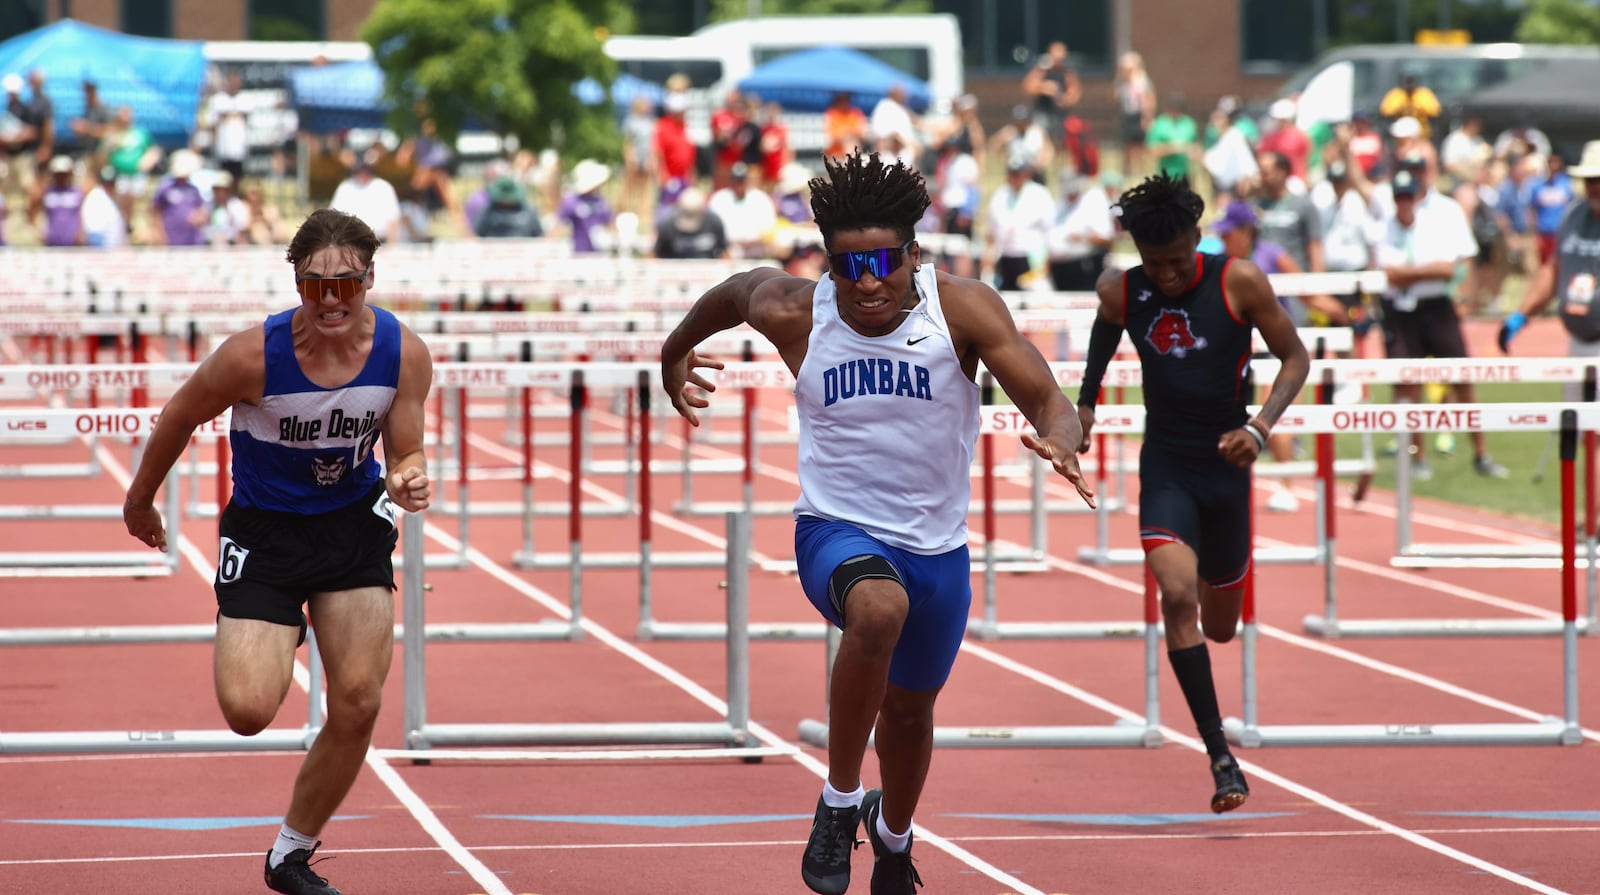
584, 213
63, 221
794, 209
177, 201
475, 205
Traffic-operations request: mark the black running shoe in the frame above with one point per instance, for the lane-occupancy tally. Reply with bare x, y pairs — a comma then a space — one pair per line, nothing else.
294, 875
826, 865
1231, 788
893, 872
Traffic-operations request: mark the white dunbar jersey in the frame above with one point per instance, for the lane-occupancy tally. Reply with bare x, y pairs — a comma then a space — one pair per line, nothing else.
887, 425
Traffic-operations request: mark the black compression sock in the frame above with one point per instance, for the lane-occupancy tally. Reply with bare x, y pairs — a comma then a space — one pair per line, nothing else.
1192, 665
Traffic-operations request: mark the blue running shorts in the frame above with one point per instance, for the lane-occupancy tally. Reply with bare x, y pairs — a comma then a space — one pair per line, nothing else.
939, 588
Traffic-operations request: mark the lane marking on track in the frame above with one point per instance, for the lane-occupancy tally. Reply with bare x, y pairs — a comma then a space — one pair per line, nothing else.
795, 843
419, 810
699, 693
1283, 782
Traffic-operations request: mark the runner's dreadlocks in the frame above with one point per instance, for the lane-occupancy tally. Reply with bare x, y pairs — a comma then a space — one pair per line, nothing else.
1160, 210
860, 192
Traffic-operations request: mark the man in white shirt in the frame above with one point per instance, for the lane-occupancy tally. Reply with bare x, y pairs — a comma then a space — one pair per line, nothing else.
1081, 235
891, 120
1020, 214
1465, 150
1420, 260
370, 198
103, 224
230, 131
748, 215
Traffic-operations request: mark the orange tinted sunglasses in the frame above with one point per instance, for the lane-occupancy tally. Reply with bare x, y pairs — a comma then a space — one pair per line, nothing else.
313, 288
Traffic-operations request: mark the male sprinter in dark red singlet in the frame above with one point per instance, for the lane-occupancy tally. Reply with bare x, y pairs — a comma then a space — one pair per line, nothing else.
1190, 317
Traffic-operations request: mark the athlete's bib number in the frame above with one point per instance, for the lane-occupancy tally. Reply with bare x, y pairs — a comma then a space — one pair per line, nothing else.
384, 508
1580, 294
231, 564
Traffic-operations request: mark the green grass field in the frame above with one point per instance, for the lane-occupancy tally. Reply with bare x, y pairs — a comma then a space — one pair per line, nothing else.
1519, 452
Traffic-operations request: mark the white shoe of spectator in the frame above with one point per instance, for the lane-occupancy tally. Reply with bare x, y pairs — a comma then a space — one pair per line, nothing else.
1283, 501
1347, 393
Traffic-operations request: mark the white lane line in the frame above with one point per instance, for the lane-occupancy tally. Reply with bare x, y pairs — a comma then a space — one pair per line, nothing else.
391, 779
699, 693
791, 843
1115, 710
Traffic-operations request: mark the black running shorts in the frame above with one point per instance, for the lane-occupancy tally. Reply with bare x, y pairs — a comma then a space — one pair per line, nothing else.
1202, 502
271, 562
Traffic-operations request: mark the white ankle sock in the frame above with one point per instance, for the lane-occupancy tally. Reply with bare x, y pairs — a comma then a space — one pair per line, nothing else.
289, 839
892, 841
836, 799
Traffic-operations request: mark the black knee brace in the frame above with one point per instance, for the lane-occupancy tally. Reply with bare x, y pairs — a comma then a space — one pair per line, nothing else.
855, 570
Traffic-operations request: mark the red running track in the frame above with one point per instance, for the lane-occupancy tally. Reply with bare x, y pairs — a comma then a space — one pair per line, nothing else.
1412, 820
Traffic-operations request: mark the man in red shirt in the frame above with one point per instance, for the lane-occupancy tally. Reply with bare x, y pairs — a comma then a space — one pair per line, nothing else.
1287, 138
674, 151
1366, 144
726, 126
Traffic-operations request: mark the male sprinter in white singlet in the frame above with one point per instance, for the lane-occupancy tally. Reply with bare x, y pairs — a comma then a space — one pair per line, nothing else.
312, 518
885, 354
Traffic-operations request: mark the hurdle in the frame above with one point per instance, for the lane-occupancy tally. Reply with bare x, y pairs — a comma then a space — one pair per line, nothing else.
55, 424
1120, 734
1130, 373
732, 734
1248, 732
151, 739
1410, 554
1486, 556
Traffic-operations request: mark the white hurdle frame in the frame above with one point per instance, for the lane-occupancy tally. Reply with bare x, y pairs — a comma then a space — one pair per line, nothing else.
733, 733
1564, 731
1119, 734
1130, 373
25, 424
1487, 556
273, 739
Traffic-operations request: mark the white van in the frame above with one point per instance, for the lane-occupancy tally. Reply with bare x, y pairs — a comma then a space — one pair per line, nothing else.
1355, 78
927, 47
718, 56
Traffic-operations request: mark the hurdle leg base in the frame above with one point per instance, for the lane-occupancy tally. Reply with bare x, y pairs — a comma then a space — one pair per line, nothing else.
1549, 732
135, 741
1332, 629
1118, 735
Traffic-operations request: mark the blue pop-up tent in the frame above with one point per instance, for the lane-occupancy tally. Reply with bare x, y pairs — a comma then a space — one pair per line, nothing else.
337, 97
160, 80
805, 81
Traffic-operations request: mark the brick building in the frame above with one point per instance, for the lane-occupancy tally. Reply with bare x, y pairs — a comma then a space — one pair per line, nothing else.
218, 19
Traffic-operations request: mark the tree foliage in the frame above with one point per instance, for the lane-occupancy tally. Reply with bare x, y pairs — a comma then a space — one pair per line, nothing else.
506, 66
1560, 22
1391, 21
722, 10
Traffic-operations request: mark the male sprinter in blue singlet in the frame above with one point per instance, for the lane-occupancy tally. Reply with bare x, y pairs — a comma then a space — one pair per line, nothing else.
1190, 317
884, 352
311, 519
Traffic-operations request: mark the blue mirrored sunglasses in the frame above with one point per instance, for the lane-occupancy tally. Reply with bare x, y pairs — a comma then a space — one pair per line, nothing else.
880, 262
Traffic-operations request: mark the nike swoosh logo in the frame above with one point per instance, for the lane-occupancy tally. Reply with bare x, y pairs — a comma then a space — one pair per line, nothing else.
916, 340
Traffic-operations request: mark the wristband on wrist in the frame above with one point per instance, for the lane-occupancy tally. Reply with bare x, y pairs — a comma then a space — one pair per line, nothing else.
1261, 440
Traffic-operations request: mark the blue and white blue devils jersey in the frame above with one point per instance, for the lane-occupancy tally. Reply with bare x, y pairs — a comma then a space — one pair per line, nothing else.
308, 449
